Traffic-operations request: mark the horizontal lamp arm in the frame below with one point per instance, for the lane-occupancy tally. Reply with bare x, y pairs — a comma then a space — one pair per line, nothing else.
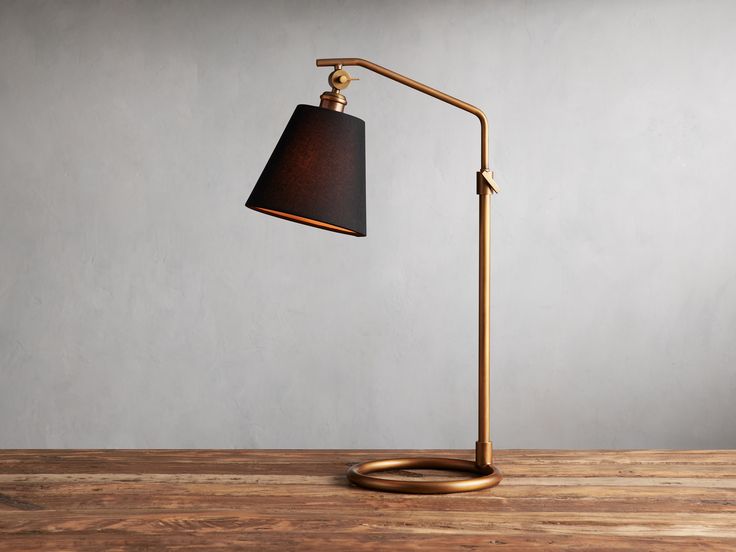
411, 83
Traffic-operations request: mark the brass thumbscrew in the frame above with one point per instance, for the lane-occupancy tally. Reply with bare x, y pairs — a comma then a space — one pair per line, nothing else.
340, 79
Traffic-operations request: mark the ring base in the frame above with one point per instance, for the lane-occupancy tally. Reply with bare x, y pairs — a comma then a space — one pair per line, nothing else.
483, 477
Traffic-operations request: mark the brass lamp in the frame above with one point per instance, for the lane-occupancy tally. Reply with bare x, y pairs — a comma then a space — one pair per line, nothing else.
316, 176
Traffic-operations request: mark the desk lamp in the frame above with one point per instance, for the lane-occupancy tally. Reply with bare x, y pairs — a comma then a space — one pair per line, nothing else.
316, 176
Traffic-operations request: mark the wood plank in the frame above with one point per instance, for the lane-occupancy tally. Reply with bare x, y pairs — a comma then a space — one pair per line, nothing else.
300, 499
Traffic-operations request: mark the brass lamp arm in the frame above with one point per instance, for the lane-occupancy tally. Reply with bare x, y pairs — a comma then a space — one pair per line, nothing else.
411, 83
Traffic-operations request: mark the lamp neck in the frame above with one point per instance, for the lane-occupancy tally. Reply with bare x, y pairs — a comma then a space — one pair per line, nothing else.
333, 100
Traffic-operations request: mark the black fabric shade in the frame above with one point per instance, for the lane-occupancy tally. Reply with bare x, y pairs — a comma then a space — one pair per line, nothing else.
316, 174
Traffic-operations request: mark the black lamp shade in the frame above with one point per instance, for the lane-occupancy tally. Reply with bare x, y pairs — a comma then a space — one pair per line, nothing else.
316, 174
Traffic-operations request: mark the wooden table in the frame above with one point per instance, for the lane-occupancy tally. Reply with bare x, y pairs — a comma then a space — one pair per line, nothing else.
300, 500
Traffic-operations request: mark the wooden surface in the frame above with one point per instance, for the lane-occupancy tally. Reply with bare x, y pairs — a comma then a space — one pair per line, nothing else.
300, 500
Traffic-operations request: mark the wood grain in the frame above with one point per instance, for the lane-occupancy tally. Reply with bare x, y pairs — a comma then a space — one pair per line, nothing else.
300, 500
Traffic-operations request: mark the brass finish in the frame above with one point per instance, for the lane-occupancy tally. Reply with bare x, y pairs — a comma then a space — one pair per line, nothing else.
333, 100
485, 183
483, 478
486, 475
338, 63
340, 79
483, 447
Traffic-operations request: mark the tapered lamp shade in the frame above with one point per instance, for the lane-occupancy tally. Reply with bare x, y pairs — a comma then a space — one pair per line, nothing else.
316, 174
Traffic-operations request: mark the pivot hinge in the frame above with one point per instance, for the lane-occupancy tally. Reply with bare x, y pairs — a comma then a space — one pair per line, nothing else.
486, 184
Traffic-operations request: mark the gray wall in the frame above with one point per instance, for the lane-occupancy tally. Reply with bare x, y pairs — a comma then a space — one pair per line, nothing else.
141, 305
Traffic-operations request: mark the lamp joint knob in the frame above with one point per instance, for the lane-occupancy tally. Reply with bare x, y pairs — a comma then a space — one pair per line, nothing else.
340, 79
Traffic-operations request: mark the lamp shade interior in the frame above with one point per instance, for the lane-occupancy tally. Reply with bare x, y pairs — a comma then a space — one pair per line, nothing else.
316, 174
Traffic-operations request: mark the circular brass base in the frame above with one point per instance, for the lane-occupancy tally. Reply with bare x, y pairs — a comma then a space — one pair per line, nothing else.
483, 478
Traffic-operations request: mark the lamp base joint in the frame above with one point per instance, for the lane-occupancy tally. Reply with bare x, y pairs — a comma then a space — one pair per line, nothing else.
483, 453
